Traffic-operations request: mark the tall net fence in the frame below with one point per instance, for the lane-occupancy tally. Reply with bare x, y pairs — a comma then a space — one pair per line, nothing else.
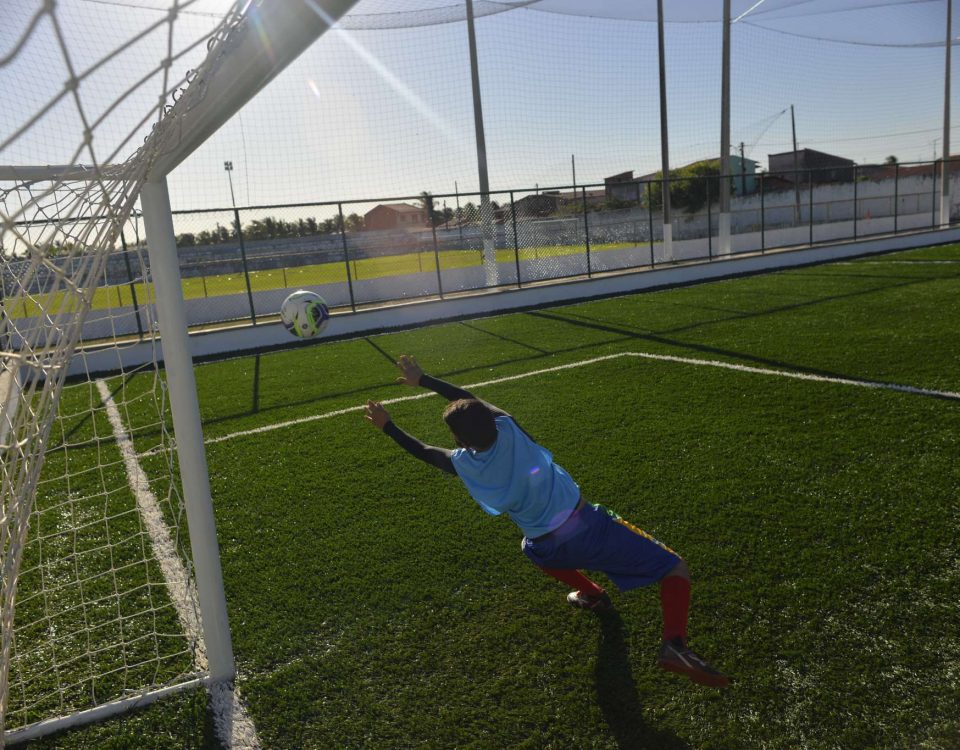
383, 106
356, 172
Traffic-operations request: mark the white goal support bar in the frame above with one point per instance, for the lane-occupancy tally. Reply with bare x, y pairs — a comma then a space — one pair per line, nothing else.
266, 39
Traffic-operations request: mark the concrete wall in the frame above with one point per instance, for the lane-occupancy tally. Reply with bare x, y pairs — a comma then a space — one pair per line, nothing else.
423, 312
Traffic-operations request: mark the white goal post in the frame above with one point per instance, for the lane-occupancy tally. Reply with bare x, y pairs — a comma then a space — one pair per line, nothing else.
58, 227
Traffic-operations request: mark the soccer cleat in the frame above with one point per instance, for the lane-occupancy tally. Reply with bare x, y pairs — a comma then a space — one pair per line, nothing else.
676, 656
600, 603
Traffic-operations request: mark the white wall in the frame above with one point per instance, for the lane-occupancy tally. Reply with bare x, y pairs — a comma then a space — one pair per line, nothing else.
425, 312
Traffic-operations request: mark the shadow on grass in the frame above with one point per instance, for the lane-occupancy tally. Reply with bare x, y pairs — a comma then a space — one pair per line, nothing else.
617, 692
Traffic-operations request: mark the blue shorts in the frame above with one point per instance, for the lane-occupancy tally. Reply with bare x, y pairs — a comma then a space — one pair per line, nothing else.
596, 538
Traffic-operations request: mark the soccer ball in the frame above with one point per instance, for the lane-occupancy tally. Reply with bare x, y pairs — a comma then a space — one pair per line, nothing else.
304, 314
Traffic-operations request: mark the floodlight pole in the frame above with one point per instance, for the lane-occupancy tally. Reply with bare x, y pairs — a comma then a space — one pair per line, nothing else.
664, 145
184, 406
725, 135
945, 171
486, 212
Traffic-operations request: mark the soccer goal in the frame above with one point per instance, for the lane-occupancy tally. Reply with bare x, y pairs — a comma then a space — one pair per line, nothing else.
111, 593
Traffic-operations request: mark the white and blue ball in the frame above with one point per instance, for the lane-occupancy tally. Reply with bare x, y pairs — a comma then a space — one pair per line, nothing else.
305, 314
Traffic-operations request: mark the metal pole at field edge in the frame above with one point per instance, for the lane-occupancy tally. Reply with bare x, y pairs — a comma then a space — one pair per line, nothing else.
710, 223
725, 171
586, 228
664, 144
933, 199
246, 270
436, 250
763, 217
185, 409
650, 222
896, 196
796, 165
516, 243
855, 170
456, 192
945, 173
346, 256
133, 286
810, 181
486, 211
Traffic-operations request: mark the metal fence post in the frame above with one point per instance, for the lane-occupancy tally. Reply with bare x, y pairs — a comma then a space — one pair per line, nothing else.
650, 223
436, 249
763, 217
896, 196
346, 256
709, 223
516, 243
810, 181
246, 270
586, 227
933, 199
133, 287
855, 171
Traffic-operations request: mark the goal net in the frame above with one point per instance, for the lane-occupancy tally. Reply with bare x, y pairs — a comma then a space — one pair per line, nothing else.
100, 604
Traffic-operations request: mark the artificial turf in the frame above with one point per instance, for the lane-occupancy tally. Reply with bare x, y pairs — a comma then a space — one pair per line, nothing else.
373, 605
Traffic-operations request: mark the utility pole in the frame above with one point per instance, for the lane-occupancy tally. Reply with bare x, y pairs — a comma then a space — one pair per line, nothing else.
945, 167
664, 146
796, 167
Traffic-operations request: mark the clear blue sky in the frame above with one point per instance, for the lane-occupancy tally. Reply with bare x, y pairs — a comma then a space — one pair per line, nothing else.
387, 111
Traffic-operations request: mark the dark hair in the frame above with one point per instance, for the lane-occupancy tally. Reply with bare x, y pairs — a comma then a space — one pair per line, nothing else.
472, 423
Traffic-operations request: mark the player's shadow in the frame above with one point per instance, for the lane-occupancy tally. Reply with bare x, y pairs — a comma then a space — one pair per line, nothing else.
617, 692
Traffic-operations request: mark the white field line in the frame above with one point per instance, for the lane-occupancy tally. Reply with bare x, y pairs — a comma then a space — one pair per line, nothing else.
230, 716
584, 363
900, 262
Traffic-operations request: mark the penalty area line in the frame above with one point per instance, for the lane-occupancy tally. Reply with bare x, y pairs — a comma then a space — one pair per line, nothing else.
585, 362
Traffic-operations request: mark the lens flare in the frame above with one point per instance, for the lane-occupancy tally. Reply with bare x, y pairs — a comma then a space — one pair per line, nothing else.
395, 83
254, 15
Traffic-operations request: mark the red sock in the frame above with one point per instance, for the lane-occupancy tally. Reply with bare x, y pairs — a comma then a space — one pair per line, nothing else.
675, 601
575, 579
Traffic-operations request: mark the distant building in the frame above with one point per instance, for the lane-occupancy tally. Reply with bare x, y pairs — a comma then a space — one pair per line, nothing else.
550, 201
809, 164
621, 187
625, 187
395, 216
910, 169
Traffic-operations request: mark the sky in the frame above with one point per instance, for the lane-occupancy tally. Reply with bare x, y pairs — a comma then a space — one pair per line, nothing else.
381, 107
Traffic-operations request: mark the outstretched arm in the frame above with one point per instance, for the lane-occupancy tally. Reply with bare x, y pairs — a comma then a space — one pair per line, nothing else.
430, 454
413, 375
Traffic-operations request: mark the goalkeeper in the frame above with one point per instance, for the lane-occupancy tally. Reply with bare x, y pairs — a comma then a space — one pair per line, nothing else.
506, 471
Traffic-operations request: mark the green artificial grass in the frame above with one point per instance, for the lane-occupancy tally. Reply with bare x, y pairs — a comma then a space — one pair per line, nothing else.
374, 605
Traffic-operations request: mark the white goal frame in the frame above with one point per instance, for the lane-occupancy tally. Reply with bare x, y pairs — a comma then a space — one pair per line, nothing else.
239, 64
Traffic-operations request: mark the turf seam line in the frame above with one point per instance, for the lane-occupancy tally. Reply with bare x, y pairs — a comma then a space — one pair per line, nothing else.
582, 363
229, 713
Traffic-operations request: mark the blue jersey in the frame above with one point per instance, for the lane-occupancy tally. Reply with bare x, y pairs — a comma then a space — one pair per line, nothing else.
518, 477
